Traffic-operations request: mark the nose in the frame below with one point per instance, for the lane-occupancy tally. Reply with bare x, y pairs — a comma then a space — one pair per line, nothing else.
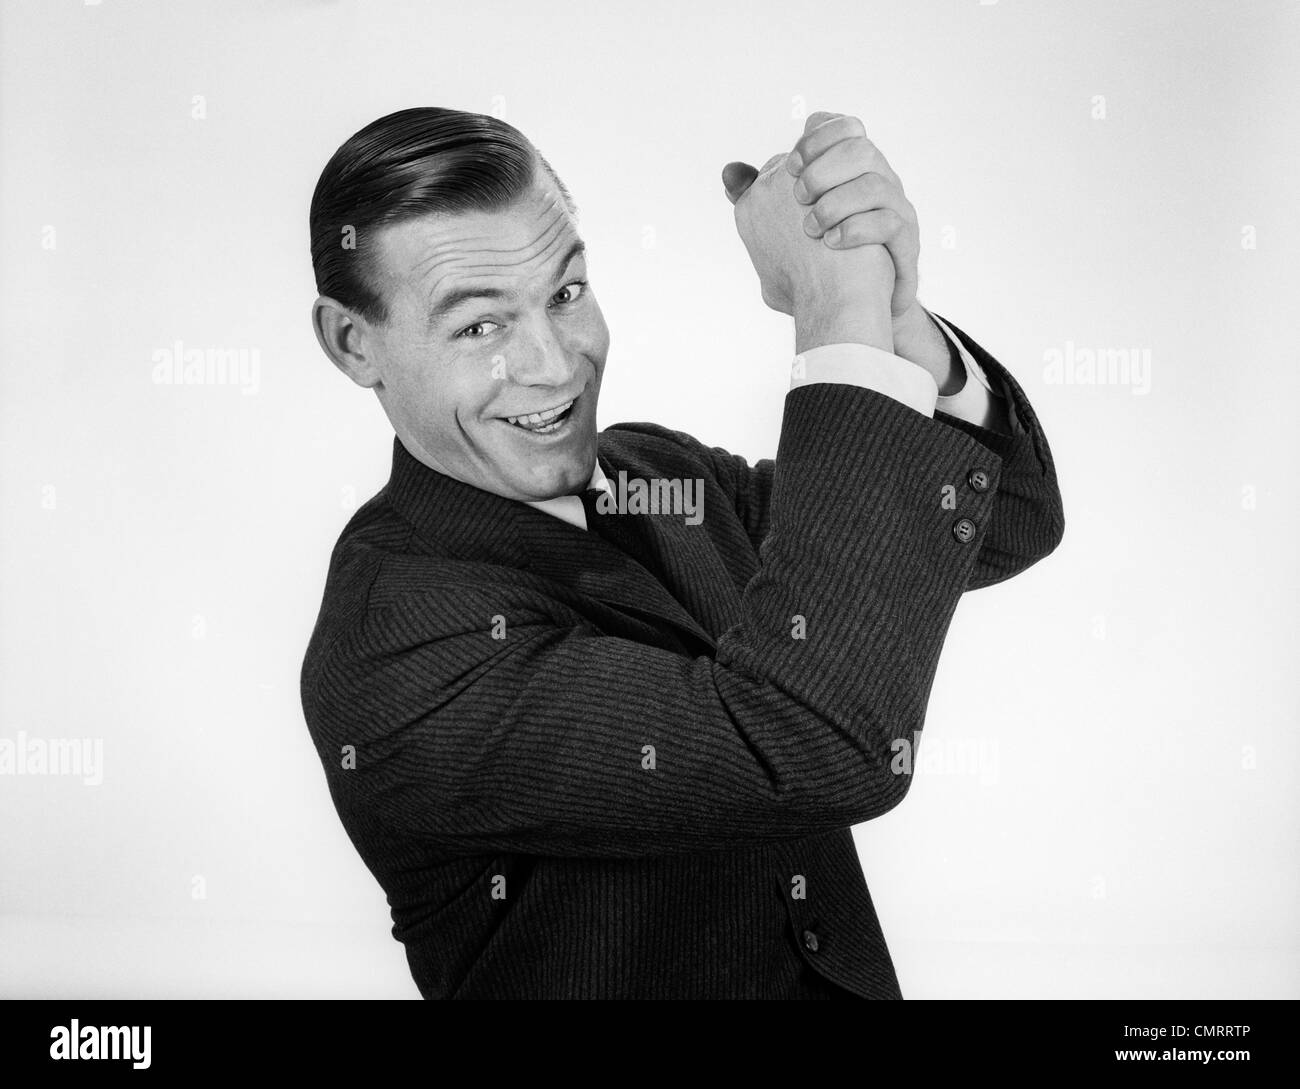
540, 357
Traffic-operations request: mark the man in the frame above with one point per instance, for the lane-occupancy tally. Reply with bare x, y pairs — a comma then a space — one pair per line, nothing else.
594, 751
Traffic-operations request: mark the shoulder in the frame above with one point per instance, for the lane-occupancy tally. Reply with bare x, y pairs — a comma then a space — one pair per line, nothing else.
378, 558
653, 447
390, 587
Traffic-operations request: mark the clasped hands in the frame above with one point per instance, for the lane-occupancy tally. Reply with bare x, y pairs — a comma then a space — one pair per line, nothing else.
835, 187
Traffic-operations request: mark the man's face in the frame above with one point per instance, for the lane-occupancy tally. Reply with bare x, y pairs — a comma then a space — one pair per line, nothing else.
490, 319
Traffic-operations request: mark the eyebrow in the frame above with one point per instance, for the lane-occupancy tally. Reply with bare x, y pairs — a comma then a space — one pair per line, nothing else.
455, 297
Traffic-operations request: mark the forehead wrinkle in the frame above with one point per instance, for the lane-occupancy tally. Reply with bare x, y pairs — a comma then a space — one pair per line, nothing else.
555, 228
455, 245
467, 268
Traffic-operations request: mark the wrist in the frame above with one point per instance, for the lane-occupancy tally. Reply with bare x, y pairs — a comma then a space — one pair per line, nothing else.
821, 321
919, 340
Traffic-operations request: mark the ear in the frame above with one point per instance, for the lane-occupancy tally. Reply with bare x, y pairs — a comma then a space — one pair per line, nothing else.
342, 336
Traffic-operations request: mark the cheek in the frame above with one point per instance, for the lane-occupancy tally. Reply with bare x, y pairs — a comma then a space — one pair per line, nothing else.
460, 389
595, 333
438, 383
408, 361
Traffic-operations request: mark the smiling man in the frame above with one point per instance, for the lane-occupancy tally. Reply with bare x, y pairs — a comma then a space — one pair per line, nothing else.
594, 751
492, 425
508, 406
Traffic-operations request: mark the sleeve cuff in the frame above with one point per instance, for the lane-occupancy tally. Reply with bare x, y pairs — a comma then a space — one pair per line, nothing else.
974, 401
870, 368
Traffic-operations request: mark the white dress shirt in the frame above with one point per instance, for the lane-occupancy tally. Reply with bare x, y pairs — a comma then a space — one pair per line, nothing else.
852, 365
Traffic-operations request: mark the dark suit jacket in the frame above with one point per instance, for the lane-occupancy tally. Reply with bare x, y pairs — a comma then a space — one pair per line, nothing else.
484, 679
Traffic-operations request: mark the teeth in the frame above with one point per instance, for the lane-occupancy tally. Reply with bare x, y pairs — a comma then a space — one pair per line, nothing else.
540, 417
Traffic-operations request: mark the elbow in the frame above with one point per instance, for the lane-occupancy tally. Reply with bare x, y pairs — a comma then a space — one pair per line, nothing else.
1046, 537
886, 780
888, 785
879, 794
1056, 527
877, 780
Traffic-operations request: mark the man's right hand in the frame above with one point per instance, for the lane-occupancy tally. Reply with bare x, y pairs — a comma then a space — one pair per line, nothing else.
834, 295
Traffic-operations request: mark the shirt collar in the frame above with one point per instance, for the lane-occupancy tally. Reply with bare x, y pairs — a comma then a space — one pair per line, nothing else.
569, 508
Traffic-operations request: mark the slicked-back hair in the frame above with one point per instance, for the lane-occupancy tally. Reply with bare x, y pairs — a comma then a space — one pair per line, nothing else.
417, 162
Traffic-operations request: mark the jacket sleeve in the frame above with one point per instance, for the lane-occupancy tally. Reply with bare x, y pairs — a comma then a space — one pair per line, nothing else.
1027, 521
560, 740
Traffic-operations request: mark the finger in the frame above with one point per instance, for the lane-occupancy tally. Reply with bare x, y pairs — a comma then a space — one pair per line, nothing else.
885, 226
816, 140
820, 117
865, 193
839, 163
882, 225
736, 178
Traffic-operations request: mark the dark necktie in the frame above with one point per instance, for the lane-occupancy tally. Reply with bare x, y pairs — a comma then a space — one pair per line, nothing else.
625, 532
631, 536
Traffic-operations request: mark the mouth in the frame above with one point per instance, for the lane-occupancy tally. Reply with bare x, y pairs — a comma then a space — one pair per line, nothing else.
548, 421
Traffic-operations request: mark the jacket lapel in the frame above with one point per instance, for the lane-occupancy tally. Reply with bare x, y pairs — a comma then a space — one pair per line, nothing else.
479, 526
590, 566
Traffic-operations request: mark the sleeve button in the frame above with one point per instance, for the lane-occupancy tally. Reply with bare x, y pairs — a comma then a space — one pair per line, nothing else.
964, 530
978, 479
810, 941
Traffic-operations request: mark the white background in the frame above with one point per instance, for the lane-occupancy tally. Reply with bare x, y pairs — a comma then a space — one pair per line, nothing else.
1132, 829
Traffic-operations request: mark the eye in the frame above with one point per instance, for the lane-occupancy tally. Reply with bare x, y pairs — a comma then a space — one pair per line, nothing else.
575, 295
469, 332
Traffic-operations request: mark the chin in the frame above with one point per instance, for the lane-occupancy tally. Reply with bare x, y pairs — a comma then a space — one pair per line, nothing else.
554, 480
542, 473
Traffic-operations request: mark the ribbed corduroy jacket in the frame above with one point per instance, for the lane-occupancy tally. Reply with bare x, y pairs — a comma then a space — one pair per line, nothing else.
576, 778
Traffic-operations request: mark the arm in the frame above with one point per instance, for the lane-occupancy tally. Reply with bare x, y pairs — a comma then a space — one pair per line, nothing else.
964, 390
854, 199
535, 743
1027, 520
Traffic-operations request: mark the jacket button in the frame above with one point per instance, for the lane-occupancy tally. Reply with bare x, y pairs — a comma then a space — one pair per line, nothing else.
964, 530
978, 479
810, 941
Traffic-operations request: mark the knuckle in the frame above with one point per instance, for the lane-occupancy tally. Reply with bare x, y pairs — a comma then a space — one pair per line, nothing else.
873, 191
873, 186
853, 231
811, 176
818, 117
866, 148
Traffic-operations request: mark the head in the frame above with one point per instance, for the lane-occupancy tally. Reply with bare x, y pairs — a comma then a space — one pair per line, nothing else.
453, 282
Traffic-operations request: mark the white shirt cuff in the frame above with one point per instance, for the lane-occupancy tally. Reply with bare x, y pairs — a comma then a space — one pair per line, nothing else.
868, 367
973, 402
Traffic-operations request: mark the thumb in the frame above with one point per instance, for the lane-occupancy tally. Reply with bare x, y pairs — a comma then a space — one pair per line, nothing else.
736, 178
